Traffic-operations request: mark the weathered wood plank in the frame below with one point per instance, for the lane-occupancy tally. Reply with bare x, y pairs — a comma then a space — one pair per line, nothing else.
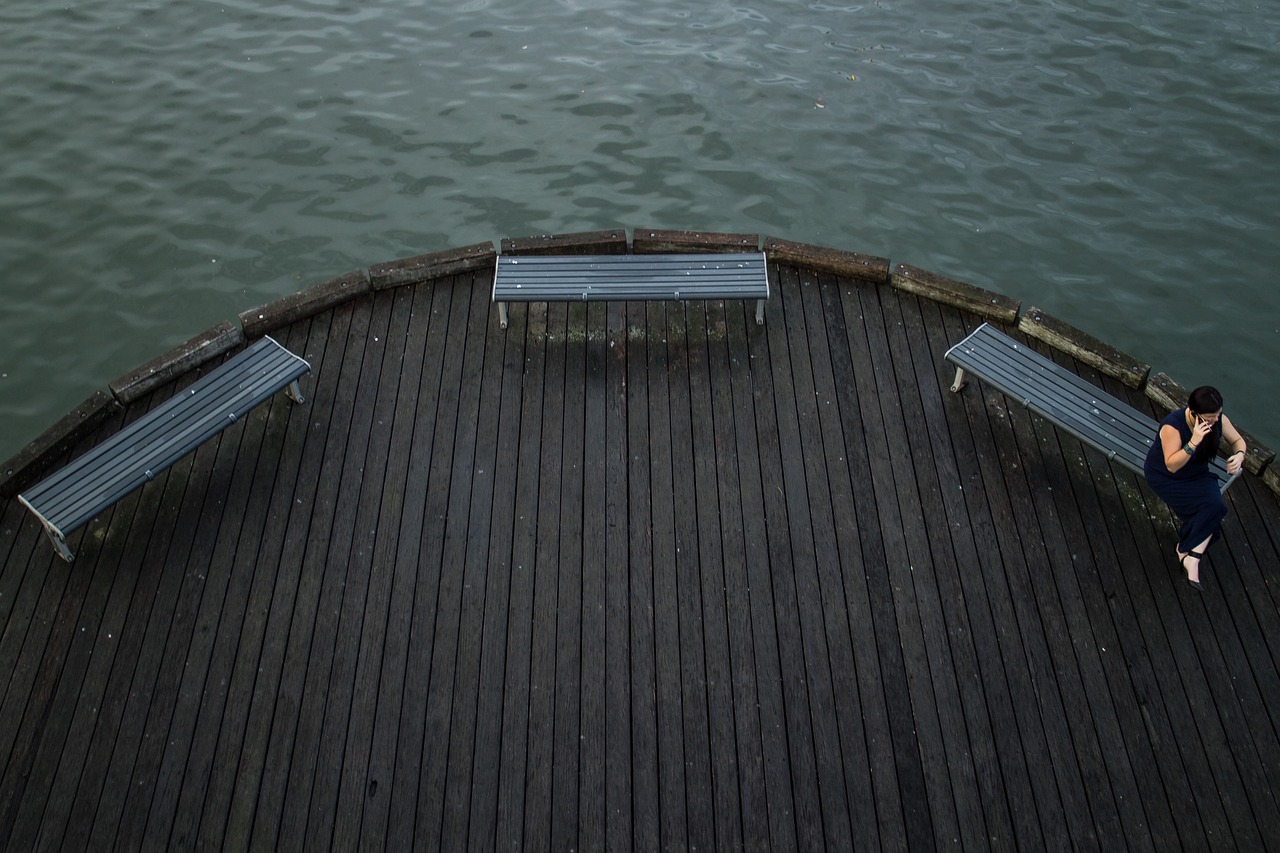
282, 808
543, 688
305, 303
728, 362
617, 755
939, 581
828, 667
281, 546
1069, 732
501, 574
986, 607
592, 778
711, 585
934, 703
672, 813
565, 794
684, 358
445, 791
612, 242
776, 423
642, 665
518, 688
443, 367
392, 367
657, 241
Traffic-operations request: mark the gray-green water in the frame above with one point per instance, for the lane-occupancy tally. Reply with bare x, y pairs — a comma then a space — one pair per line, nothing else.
167, 165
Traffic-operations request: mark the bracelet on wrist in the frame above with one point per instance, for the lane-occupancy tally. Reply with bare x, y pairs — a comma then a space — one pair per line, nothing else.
1189, 449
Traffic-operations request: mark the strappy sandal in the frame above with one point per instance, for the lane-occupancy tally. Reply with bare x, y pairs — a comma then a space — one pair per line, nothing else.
1182, 560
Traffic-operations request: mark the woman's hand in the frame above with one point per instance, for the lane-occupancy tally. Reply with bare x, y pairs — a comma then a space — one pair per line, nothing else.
1235, 462
1199, 431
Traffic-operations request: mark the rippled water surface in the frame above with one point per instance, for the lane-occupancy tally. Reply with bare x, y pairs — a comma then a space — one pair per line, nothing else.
167, 165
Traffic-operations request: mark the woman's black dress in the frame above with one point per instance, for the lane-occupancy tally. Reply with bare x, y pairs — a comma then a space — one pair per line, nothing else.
1192, 491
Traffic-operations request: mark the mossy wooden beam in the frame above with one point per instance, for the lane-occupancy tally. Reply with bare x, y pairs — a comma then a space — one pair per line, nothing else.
432, 265
959, 294
1271, 477
1045, 327
304, 303
854, 265
612, 242
31, 462
187, 356
651, 241
1165, 393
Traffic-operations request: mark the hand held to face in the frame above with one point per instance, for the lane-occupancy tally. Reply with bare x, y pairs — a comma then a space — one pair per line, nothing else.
1201, 429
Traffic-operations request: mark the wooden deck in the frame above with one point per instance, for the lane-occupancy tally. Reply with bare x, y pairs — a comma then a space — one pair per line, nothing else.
644, 576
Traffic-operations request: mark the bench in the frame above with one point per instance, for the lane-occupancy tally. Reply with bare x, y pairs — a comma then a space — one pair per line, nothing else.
70, 497
620, 278
1101, 421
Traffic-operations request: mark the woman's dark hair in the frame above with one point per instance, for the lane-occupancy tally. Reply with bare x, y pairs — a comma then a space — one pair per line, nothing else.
1206, 400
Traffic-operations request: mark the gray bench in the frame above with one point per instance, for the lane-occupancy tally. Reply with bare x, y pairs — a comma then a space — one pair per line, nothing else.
70, 497
1095, 417
620, 278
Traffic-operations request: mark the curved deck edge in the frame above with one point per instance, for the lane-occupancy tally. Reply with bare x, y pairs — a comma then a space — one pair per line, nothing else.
26, 466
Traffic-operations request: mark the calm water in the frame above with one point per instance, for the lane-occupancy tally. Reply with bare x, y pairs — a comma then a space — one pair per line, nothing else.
166, 165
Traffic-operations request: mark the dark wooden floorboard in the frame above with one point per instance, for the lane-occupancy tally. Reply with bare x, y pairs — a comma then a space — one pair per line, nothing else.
633, 576
774, 759
508, 376
667, 707
540, 734
641, 640
422, 538
382, 500
248, 715
514, 714
827, 656
444, 795
906, 554
685, 357
568, 526
901, 801
727, 357
777, 426
281, 811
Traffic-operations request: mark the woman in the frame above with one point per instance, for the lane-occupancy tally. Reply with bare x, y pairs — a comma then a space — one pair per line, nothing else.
1178, 470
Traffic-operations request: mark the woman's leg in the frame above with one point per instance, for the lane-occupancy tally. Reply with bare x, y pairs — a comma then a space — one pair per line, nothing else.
1192, 564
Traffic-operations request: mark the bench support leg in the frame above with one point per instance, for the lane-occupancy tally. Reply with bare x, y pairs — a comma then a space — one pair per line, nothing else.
960, 381
295, 392
60, 545
759, 312
502, 314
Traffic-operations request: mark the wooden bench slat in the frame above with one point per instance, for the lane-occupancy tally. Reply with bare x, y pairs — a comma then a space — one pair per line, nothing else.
71, 496
629, 278
1061, 396
1097, 418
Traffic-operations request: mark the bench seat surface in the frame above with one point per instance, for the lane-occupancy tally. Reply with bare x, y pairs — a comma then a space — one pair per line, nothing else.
1081, 408
537, 278
76, 493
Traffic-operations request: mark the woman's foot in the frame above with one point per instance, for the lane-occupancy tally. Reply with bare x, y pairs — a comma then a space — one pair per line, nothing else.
1192, 568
